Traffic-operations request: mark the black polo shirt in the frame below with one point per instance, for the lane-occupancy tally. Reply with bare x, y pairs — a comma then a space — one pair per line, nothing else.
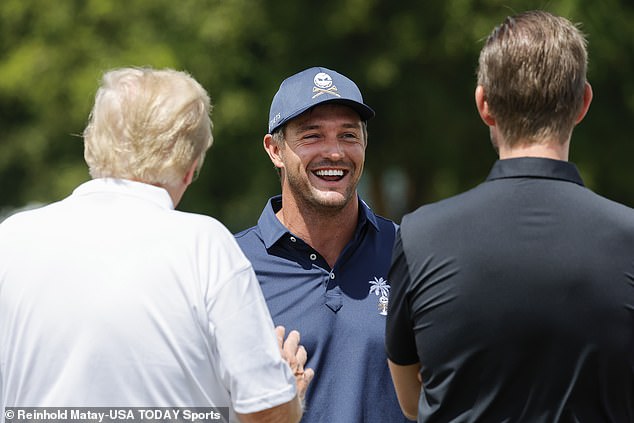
517, 298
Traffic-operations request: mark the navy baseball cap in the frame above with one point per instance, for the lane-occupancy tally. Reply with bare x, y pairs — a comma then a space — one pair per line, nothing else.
311, 87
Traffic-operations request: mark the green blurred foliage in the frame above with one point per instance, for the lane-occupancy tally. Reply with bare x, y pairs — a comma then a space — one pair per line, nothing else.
414, 61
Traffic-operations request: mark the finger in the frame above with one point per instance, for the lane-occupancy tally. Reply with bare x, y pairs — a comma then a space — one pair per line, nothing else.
309, 374
279, 332
292, 343
303, 381
302, 356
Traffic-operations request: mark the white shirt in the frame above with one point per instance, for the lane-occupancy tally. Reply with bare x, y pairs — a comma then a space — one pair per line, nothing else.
112, 298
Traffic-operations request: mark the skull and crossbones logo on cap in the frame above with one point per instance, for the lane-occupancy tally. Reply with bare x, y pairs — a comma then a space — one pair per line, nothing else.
323, 85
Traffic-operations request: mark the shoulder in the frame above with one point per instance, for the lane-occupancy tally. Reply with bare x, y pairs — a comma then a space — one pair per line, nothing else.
444, 210
606, 203
247, 234
602, 210
267, 227
26, 220
195, 222
384, 225
204, 233
249, 239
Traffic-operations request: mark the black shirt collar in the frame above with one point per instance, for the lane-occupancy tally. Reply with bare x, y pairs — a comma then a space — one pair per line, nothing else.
535, 167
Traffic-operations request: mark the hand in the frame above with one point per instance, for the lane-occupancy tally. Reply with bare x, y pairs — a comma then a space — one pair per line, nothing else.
295, 355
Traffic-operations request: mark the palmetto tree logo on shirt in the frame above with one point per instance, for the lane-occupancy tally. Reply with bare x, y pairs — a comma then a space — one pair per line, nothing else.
381, 289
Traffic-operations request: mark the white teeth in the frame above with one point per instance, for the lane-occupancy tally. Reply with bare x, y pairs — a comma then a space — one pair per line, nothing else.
329, 172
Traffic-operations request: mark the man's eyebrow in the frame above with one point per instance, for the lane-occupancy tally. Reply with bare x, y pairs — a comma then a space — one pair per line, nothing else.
312, 126
308, 127
315, 126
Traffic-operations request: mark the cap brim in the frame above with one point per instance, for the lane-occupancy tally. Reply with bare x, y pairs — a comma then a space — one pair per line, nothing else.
365, 112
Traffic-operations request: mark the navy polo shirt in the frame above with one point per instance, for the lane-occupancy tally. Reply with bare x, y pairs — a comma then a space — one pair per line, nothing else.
340, 312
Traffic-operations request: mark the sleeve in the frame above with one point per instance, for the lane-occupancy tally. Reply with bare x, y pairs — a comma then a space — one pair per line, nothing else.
400, 341
251, 364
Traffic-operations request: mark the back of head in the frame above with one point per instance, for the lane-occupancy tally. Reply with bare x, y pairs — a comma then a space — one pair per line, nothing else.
147, 125
533, 71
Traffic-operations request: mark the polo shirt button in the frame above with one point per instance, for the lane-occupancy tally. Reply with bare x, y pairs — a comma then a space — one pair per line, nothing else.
332, 275
313, 256
293, 239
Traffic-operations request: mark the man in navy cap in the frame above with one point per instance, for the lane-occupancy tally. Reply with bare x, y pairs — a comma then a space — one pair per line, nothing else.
321, 255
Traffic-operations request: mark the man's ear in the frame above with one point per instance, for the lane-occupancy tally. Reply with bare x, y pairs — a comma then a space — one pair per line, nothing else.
190, 174
483, 106
273, 150
587, 99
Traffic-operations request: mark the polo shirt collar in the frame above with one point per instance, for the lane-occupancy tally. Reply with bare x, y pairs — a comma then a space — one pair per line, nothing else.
271, 229
147, 192
535, 167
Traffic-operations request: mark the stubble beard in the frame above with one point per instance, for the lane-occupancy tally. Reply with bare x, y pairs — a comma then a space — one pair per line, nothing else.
316, 201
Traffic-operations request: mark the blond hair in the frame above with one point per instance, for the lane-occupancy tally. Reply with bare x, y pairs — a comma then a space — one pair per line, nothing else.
147, 125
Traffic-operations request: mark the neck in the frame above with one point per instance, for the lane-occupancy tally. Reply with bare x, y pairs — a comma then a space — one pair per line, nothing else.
549, 150
328, 232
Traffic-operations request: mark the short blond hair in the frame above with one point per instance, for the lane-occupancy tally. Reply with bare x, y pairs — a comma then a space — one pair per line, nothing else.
147, 125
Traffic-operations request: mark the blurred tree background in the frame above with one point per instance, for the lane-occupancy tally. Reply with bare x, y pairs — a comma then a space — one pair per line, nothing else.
414, 61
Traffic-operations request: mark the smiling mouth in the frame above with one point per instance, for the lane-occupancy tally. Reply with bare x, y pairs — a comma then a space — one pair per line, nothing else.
330, 175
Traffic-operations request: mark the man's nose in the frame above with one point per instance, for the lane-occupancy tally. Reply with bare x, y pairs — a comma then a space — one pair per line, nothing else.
333, 148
